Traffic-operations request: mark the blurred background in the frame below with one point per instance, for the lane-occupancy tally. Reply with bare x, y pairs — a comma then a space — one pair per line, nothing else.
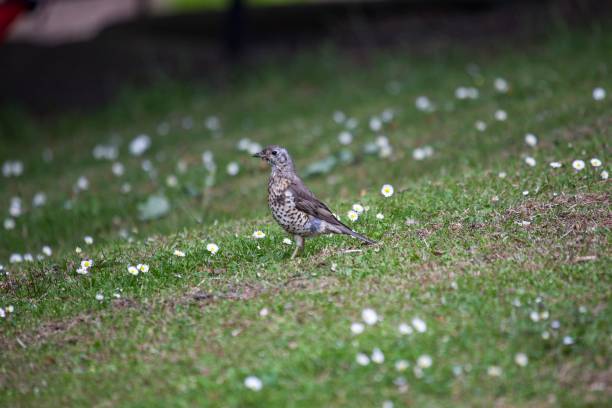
62, 55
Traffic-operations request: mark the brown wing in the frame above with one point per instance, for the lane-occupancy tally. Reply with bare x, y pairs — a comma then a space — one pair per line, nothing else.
305, 201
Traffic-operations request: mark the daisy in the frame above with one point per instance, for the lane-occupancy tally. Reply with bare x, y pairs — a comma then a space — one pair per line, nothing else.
405, 329
375, 124
179, 253
253, 383
419, 325
531, 139
595, 162
2, 313
171, 181
401, 365
380, 216
132, 270
259, 234
47, 250
287, 241
599, 94
212, 248
352, 215
555, 165
386, 190
118, 169
604, 175
86, 263
82, 271
362, 359
99, 297
144, 268
9, 224
377, 356
501, 115
502, 174
369, 316
28, 257
480, 126
578, 165
345, 138
501, 85
357, 328
233, 168
494, 371
88, 240
139, 145
10, 309
16, 258
39, 199
358, 208
424, 361
521, 359
530, 161
339, 117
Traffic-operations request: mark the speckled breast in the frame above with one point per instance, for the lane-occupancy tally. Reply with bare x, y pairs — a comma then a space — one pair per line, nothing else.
282, 205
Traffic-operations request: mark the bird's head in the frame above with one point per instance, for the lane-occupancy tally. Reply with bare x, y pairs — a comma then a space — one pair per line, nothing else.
276, 156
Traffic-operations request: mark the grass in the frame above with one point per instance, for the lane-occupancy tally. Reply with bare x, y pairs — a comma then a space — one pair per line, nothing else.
491, 278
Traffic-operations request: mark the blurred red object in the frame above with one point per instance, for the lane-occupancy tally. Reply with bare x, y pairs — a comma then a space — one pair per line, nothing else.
9, 11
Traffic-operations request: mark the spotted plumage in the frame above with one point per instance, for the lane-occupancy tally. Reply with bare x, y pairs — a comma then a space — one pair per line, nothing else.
294, 206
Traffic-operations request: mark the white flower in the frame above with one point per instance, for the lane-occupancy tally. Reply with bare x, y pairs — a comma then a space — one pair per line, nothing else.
423, 103
380, 216
530, 161
521, 359
212, 248
253, 383
212, 123
287, 241
233, 168
47, 250
16, 258
352, 215
339, 117
140, 144
28, 257
421, 153
10, 309
387, 404
358, 208
179, 253
599, 94
264, 312
357, 328
362, 359
345, 138
480, 126
2, 313
118, 169
351, 123
9, 223
424, 361
387, 190
132, 270
526, 192
419, 325
494, 371
578, 164
604, 175
405, 329
171, 180
595, 162
82, 271
401, 365
39, 199
88, 240
501, 85
377, 356
568, 340
531, 139
375, 124
501, 115
144, 268
82, 184
99, 296
78, 250
369, 316
534, 316
86, 263
502, 174
259, 234
555, 165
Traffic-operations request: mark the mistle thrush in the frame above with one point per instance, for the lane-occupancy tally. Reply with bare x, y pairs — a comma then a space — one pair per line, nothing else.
294, 206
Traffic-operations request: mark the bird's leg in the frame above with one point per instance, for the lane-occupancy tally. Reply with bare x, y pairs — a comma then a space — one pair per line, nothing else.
299, 245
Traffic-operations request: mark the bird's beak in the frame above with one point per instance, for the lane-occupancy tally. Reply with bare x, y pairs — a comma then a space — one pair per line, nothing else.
259, 155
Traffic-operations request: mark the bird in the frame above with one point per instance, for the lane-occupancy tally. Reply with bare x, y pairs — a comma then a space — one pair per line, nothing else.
294, 207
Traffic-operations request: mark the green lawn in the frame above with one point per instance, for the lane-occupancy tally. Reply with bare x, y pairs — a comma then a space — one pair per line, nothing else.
511, 276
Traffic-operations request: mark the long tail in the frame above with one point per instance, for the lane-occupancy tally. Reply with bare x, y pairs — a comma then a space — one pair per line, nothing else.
346, 230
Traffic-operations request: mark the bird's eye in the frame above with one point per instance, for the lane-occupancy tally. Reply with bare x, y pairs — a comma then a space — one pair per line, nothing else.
274, 152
